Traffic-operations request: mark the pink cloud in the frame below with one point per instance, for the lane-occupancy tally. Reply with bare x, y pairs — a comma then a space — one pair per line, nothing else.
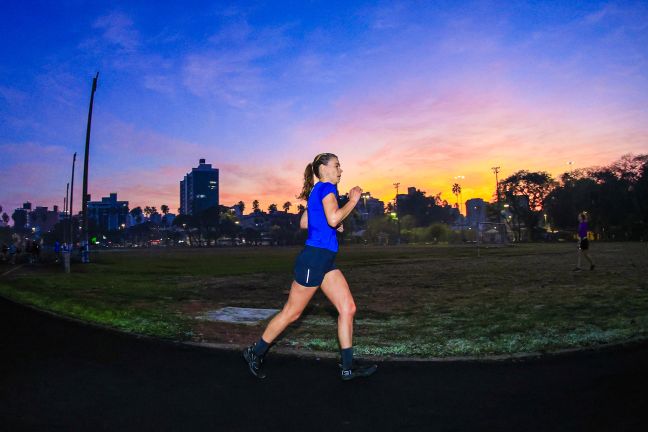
422, 137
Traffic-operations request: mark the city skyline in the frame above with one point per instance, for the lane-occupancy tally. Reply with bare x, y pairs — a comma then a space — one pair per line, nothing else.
405, 92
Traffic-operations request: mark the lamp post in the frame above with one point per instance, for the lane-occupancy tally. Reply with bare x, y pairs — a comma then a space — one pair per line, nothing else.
65, 210
66, 256
398, 240
84, 209
496, 170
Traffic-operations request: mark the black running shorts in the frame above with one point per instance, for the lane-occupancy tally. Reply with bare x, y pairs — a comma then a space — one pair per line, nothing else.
583, 244
312, 264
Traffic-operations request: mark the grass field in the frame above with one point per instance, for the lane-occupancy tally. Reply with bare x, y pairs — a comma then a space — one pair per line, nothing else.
427, 300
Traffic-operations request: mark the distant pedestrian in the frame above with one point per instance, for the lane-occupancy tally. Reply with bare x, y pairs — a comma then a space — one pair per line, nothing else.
13, 250
57, 251
315, 267
583, 242
28, 251
36, 249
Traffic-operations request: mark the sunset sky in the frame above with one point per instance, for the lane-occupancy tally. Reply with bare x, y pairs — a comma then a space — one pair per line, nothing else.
409, 92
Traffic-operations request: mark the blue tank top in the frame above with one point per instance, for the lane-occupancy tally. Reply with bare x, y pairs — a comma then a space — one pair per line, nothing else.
320, 234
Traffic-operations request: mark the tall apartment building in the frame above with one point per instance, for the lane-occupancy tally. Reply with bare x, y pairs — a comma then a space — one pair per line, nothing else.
199, 189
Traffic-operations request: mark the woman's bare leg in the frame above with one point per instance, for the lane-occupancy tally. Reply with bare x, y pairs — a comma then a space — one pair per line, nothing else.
578, 263
336, 288
297, 300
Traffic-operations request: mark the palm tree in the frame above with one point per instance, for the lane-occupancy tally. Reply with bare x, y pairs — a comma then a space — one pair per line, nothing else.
164, 208
241, 205
272, 208
300, 208
255, 206
148, 211
5, 218
287, 206
456, 190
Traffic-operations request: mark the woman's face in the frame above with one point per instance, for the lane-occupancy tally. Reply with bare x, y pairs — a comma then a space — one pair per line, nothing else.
331, 172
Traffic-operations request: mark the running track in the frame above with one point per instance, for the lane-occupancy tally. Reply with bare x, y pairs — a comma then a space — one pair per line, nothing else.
57, 375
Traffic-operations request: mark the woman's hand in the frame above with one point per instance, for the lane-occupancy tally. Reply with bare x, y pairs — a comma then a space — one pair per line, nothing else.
355, 193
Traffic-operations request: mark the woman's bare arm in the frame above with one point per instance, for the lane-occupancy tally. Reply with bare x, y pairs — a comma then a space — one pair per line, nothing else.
334, 214
303, 222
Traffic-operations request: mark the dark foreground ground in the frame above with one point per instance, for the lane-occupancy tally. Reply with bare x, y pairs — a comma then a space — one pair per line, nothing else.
56, 375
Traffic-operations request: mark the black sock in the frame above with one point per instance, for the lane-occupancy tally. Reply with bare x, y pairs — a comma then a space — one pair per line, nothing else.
261, 347
347, 357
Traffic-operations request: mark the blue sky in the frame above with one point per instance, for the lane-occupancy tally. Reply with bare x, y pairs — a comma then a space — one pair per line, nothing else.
415, 92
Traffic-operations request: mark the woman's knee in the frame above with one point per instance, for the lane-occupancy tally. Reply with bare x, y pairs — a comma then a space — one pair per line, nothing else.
291, 315
347, 309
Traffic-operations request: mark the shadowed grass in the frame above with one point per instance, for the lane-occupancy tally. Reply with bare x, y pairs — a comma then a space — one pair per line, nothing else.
413, 300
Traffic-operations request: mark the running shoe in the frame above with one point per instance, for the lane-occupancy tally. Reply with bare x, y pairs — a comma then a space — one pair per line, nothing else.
357, 371
255, 362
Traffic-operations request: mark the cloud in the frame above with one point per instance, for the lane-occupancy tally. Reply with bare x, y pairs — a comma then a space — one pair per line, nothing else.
228, 76
230, 69
160, 83
34, 172
118, 30
423, 137
13, 96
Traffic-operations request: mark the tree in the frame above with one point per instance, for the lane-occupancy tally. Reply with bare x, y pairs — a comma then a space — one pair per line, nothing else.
272, 208
526, 193
187, 223
456, 190
641, 199
300, 208
209, 223
241, 206
255, 206
286, 206
5, 218
228, 227
615, 197
165, 209
381, 227
137, 214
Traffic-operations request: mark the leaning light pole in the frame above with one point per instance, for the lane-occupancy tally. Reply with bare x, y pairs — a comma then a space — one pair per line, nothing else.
70, 248
65, 211
85, 256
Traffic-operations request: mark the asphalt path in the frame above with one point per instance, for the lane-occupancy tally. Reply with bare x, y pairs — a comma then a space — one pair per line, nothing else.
60, 375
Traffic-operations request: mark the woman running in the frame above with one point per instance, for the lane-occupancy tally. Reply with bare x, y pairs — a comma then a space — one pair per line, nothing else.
583, 242
315, 267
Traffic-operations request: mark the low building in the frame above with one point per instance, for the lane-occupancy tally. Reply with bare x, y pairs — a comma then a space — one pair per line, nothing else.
475, 212
109, 214
43, 220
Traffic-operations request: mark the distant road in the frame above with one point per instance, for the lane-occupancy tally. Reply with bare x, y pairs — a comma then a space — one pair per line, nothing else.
61, 376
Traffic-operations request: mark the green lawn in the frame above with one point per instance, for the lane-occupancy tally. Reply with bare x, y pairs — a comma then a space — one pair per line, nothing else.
418, 300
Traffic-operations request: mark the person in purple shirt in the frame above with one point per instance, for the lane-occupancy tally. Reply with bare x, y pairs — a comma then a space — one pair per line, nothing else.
583, 242
315, 267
